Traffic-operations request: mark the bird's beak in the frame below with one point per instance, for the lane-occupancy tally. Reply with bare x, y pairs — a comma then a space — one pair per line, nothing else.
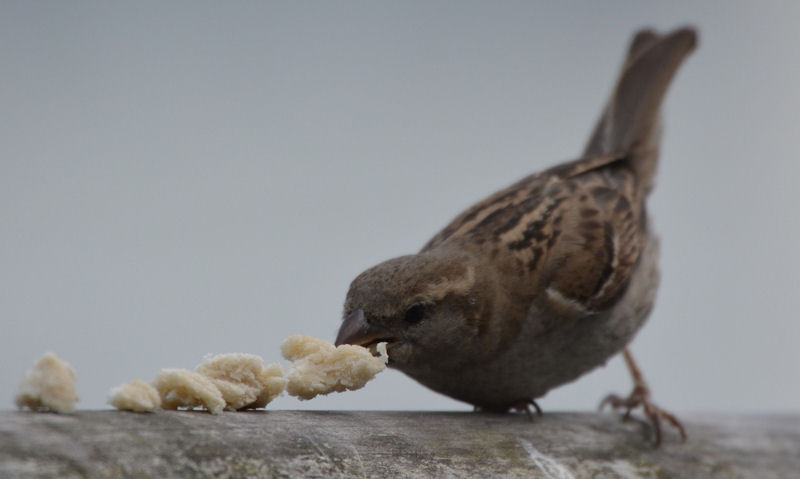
356, 330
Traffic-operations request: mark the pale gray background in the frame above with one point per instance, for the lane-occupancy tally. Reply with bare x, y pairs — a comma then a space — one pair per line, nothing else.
182, 178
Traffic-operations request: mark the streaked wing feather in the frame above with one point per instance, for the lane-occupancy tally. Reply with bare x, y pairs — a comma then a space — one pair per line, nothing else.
580, 215
517, 200
603, 235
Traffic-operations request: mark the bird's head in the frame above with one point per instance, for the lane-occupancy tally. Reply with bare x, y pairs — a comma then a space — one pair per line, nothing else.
425, 306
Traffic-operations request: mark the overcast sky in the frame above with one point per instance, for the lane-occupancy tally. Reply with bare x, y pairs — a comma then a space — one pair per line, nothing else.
184, 178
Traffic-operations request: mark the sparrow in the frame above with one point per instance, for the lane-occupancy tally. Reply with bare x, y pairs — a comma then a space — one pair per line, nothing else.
544, 280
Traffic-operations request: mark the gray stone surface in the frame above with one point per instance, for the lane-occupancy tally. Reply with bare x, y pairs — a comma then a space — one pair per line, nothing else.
100, 444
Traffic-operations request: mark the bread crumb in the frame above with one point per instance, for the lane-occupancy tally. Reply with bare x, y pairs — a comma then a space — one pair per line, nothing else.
243, 380
181, 388
138, 396
49, 386
319, 367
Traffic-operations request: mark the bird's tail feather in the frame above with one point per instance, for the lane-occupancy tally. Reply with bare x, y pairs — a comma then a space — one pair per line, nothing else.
630, 121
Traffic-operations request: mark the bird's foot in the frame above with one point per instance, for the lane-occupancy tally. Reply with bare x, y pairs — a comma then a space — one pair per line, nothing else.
640, 396
526, 406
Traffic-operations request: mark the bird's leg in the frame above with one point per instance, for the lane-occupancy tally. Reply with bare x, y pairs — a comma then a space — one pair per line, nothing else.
640, 396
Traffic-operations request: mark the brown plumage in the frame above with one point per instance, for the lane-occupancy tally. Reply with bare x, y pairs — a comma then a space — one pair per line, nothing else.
544, 280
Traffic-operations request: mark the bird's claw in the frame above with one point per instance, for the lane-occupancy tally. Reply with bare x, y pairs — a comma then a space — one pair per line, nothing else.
526, 406
640, 396
653, 413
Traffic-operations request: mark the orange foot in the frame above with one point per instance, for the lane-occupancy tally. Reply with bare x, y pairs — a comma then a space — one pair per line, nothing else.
641, 397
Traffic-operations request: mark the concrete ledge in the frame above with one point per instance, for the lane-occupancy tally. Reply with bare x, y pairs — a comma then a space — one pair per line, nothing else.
100, 444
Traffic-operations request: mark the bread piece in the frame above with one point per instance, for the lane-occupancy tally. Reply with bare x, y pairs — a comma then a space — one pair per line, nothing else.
49, 386
181, 388
243, 380
319, 367
138, 396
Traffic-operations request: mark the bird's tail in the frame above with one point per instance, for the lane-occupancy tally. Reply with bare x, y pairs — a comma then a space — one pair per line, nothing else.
629, 124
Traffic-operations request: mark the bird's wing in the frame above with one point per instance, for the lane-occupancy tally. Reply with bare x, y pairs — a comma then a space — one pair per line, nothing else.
600, 236
488, 218
506, 209
572, 229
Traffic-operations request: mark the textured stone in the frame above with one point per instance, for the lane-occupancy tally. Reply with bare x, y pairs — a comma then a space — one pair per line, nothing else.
271, 444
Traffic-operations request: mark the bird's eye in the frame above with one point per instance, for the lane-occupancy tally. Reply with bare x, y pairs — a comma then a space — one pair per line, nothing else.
415, 313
